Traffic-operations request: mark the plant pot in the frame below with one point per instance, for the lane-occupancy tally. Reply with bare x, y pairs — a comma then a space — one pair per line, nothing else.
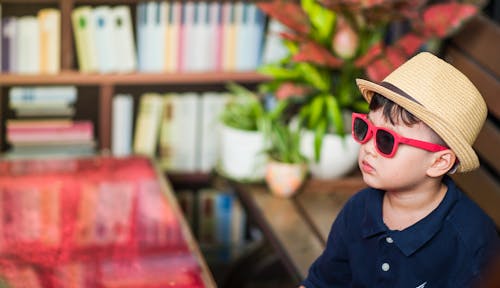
242, 154
338, 156
284, 179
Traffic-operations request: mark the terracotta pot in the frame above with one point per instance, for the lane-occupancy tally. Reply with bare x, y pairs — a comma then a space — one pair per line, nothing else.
284, 179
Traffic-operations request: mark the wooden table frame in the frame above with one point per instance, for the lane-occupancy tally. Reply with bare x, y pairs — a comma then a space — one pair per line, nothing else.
297, 227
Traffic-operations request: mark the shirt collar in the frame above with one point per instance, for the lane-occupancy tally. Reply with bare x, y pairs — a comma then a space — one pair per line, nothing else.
412, 238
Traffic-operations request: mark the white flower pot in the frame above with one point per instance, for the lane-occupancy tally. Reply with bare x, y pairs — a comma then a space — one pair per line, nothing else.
338, 156
242, 154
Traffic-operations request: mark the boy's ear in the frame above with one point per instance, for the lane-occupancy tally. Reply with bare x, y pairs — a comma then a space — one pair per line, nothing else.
442, 163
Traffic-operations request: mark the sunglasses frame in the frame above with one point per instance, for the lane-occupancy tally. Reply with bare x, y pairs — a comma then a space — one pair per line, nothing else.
398, 139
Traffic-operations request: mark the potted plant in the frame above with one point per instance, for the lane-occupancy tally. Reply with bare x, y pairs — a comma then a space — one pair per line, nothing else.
242, 139
287, 166
330, 43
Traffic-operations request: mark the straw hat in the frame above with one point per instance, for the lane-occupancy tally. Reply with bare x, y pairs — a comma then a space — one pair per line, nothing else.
439, 95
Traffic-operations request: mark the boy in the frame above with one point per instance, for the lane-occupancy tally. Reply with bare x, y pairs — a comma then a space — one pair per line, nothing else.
413, 227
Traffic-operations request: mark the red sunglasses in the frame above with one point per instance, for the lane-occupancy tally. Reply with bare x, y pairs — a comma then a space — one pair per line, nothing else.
386, 140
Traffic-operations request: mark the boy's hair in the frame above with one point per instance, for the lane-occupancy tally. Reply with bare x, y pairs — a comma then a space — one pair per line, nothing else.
394, 113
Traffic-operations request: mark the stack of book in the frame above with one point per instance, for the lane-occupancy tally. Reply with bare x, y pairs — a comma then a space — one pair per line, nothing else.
43, 123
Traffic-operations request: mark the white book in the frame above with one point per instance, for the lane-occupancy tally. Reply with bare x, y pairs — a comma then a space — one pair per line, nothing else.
212, 105
242, 41
184, 132
188, 37
140, 26
199, 40
274, 48
125, 53
103, 38
153, 30
121, 126
147, 124
50, 40
213, 36
250, 38
173, 37
28, 58
43, 94
156, 42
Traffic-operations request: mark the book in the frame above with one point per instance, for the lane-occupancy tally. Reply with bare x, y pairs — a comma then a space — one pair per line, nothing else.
147, 124
250, 38
9, 44
103, 38
83, 32
173, 36
274, 48
122, 124
229, 36
78, 131
207, 201
42, 94
184, 133
125, 53
185, 198
212, 105
50, 40
28, 43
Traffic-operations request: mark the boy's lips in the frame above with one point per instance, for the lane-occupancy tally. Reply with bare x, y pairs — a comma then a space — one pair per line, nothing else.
366, 167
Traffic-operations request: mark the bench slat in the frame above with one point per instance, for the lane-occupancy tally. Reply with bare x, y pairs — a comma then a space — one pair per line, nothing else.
481, 187
480, 38
485, 82
487, 145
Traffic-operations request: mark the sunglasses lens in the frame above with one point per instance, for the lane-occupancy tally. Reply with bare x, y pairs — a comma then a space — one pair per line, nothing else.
360, 129
385, 142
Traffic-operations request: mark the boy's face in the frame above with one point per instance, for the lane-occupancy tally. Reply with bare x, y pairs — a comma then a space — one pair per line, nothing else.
407, 168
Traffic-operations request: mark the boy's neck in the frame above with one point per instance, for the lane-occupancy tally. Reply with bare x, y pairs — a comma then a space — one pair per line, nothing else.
403, 209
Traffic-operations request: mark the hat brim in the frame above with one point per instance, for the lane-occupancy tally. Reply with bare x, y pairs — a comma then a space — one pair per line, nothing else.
464, 152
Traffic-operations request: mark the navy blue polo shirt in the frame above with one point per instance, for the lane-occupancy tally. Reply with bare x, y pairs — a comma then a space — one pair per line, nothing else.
447, 248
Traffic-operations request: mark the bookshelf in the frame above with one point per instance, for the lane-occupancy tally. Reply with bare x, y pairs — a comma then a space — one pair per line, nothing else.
106, 85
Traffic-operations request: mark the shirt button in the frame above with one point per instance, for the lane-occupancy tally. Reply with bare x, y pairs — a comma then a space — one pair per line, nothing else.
386, 267
389, 240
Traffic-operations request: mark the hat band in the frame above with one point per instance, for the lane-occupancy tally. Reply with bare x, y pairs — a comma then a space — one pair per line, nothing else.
395, 89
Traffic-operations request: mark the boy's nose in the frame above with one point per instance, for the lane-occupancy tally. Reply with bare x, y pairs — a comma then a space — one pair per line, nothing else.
369, 147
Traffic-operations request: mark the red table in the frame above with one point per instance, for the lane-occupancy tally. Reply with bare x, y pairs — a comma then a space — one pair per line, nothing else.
94, 222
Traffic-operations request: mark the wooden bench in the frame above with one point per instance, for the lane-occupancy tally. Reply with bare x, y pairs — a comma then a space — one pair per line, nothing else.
475, 52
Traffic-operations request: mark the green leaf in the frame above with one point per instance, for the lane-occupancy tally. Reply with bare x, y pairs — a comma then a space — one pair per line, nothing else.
322, 19
335, 113
313, 76
316, 111
319, 134
278, 72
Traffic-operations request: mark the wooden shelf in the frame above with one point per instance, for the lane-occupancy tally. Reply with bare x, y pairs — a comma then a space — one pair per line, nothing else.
77, 78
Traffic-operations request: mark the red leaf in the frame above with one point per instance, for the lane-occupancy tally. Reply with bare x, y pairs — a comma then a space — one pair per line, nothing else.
409, 43
378, 70
290, 89
442, 19
315, 53
288, 13
373, 52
